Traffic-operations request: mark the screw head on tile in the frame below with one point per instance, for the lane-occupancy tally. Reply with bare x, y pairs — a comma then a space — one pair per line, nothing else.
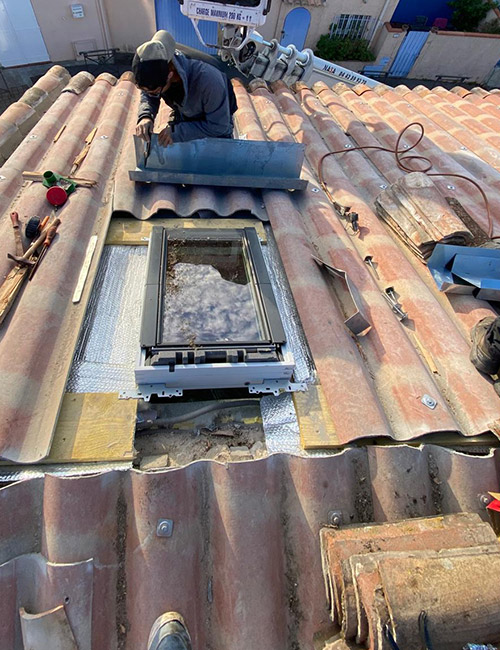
33, 136
335, 518
451, 187
429, 401
485, 500
314, 189
104, 137
164, 527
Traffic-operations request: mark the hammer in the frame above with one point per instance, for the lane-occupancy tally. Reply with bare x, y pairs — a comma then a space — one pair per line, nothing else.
50, 233
25, 260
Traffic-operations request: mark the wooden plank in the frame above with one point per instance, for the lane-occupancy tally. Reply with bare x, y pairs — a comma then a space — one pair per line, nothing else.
59, 133
83, 153
317, 430
85, 269
424, 353
133, 232
10, 288
94, 427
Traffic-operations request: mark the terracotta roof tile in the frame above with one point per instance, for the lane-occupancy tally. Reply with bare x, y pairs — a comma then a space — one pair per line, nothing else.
390, 369
243, 563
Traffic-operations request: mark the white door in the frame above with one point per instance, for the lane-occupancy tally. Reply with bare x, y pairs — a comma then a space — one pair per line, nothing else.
21, 41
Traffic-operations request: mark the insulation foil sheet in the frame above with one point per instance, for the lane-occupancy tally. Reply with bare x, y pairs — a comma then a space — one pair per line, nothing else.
279, 418
295, 336
281, 427
107, 351
280, 423
14, 474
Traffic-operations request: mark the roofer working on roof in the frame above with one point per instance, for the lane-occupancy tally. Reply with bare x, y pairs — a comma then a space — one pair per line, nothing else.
200, 95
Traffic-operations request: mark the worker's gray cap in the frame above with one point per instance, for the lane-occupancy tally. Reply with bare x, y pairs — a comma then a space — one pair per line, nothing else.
160, 48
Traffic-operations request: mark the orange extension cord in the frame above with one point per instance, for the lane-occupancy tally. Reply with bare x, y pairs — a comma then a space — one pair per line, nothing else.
403, 163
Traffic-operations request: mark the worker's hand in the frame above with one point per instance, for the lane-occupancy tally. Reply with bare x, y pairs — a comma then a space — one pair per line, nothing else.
144, 128
165, 137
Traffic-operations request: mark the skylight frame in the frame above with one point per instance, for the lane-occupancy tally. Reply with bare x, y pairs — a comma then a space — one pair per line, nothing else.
263, 296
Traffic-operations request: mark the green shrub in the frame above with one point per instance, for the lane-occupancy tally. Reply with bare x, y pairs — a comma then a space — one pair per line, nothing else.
343, 49
491, 27
468, 14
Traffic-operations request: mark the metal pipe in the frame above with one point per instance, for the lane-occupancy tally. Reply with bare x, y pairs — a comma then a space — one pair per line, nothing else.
379, 20
103, 21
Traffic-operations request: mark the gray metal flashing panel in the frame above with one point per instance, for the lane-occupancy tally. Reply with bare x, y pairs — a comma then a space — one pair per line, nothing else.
266, 165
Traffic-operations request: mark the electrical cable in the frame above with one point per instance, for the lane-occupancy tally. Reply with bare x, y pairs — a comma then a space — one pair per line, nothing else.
404, 164
185, 417
423, 628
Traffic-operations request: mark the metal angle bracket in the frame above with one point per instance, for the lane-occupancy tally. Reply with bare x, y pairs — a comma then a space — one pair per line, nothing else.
221, 162
277, 386
146, 391
356, 321
274, 386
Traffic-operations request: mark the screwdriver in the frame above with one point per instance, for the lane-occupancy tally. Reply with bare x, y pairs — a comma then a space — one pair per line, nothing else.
51, 233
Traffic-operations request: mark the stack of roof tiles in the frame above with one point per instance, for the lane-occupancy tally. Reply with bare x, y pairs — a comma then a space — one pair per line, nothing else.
381, 578
420, 216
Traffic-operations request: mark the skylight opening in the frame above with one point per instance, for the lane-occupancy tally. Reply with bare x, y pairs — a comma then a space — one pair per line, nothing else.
209, 308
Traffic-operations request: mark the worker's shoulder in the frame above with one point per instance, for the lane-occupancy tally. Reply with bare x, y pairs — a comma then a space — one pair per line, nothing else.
197, 68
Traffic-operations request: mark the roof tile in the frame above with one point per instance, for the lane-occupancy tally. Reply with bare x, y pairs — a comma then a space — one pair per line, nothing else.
390, 370
243, 564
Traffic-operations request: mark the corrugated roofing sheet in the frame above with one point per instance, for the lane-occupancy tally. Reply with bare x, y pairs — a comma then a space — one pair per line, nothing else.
243, 563
389, 371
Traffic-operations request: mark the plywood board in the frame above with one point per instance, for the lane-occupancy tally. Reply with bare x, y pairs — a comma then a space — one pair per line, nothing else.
133, 232
94, 427
317, 430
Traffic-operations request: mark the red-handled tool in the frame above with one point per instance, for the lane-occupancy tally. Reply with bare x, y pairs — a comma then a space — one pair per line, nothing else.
51, 233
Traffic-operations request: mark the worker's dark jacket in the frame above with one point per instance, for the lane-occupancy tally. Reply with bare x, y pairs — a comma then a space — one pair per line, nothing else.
205, 110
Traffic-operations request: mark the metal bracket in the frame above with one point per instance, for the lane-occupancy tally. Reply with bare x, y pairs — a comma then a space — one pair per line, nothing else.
146, 391
344, 211
371, 263
276, 387
356, 321
390, 295
221, 162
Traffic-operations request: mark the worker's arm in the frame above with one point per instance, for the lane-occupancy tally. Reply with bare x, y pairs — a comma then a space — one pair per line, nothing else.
217, 120
148, 107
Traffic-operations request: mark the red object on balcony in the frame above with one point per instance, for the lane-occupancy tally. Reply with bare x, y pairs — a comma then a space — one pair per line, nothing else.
440, 23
